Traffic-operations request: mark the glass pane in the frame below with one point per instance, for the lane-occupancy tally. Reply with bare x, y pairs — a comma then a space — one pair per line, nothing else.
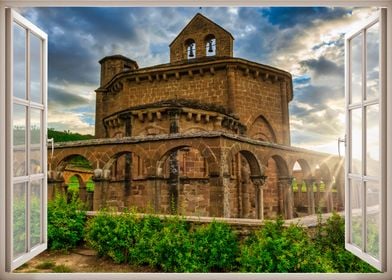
356, 212
19, 219
19, 139
356, 141
356, 68
35, 69
372, 141
35, 137
35, 216
373, 62
373, 219
19, 59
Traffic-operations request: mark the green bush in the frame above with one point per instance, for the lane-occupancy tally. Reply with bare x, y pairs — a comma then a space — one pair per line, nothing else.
144, 251
330, 243
66, 223
276, 248
215, 247
173, 247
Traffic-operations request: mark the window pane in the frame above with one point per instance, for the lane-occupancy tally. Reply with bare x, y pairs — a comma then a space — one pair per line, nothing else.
373, 219
35, 137
372, 141
19, 219
373, 62
356, 68
19, 139
35, 69
356, 212
35, 210
356, 141
19, 59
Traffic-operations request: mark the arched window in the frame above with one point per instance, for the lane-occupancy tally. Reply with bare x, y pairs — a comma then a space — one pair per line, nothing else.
210, 45
190, 49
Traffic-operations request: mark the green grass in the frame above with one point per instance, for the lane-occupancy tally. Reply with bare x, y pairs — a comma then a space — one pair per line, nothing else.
46, 265
61, 269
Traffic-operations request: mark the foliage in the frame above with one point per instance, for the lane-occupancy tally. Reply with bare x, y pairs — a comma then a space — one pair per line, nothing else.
215, 247
66, 223
172, 245
276, 248
168, 244
66, 135
330, 243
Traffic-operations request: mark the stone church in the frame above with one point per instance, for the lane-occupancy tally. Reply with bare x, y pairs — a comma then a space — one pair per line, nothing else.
206, 134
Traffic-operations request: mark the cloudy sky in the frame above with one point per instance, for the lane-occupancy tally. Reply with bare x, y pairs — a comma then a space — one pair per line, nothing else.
308, 42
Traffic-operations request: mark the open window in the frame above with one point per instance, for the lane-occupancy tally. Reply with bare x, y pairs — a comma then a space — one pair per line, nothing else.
366, 157
366, 141
26, 176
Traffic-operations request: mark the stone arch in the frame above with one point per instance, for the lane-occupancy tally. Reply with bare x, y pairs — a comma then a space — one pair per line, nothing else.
261, 129
64, 161
250, 154
210, 45
247, 178
164, 151
181, 192
116, 155
59, 161
190, 48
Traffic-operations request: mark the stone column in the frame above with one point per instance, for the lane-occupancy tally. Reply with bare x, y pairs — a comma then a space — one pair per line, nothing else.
83, 192
286, 200
309, 189
285, 113
259, 182
231, 87
55, 184
328, 195
174, 116
101, 181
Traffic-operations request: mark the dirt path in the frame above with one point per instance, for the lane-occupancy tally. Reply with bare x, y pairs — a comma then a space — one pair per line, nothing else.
77, 260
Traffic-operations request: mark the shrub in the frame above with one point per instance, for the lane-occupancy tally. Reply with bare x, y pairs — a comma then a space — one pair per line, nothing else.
173, 247
276, 248
215, 247
330, 243
112, 235
143, 252
65, 223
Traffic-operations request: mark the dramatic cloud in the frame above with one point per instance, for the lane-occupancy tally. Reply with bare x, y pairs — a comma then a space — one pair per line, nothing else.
307, 42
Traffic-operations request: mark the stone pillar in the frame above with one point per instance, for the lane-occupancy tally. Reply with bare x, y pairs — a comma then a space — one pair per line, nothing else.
259, 182
173, 182
83, 192
286, 197
231, 87
285, 113
101, 181
55, 184
328, 195
309, 189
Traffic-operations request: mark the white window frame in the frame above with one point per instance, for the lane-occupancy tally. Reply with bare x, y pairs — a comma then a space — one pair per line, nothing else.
13, 17
191, 3
381, 178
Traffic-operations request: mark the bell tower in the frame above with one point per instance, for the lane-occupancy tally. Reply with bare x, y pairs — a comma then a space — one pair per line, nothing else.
201, 37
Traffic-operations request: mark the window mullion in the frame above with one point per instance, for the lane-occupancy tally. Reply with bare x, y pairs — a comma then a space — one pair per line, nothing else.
28, 140
363, 184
